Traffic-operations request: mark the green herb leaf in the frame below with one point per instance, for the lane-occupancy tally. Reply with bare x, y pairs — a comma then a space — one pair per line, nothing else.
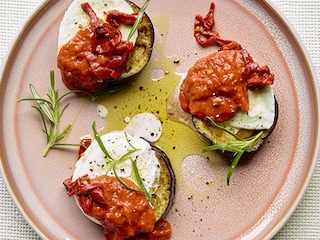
138, 19
50, 114
44, 104
100, 143
114, 162
123, 182
140, 182
237, 146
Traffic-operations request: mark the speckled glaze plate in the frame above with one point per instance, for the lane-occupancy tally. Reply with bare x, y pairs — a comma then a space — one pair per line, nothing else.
265, 188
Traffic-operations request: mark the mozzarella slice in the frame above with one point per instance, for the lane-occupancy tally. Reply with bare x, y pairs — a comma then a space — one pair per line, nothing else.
260, 115
75, 18
261, 111
94, 162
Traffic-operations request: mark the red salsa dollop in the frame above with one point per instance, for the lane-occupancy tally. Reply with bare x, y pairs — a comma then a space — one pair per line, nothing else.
216, 86
97, 54
123, 213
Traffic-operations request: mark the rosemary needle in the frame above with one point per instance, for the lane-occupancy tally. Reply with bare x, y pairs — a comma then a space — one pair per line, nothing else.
114, 162
237, 146
138, 19
50, 114
50, 111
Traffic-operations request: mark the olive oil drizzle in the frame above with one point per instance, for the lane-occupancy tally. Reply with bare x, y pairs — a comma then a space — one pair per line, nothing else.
149, 92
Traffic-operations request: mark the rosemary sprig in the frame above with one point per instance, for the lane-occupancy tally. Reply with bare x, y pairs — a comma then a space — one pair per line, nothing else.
50, 114
138, 19
237, 146
114, 162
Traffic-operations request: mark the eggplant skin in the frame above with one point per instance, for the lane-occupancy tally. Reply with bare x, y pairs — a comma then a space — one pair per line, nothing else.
216, 136
164, 195
142, 48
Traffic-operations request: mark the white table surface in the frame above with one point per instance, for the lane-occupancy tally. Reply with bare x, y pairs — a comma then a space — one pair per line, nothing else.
304, 15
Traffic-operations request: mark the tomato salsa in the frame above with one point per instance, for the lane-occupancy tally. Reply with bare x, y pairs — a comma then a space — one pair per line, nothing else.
216, 86
97, 54
123, 213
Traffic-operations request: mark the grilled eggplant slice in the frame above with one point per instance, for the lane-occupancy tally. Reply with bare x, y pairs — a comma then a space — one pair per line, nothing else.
85, 59
142, 48
93, 165
165, 193
214, 136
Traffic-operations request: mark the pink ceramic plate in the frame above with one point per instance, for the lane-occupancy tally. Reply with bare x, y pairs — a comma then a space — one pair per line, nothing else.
264, 190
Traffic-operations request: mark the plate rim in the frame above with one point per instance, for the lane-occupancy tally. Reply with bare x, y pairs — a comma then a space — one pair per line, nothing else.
315, 86
313, 81
3, 69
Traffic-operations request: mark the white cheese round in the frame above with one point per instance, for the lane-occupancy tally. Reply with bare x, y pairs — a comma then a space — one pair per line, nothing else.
94, 162
75, 18
261, 111
118, 143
